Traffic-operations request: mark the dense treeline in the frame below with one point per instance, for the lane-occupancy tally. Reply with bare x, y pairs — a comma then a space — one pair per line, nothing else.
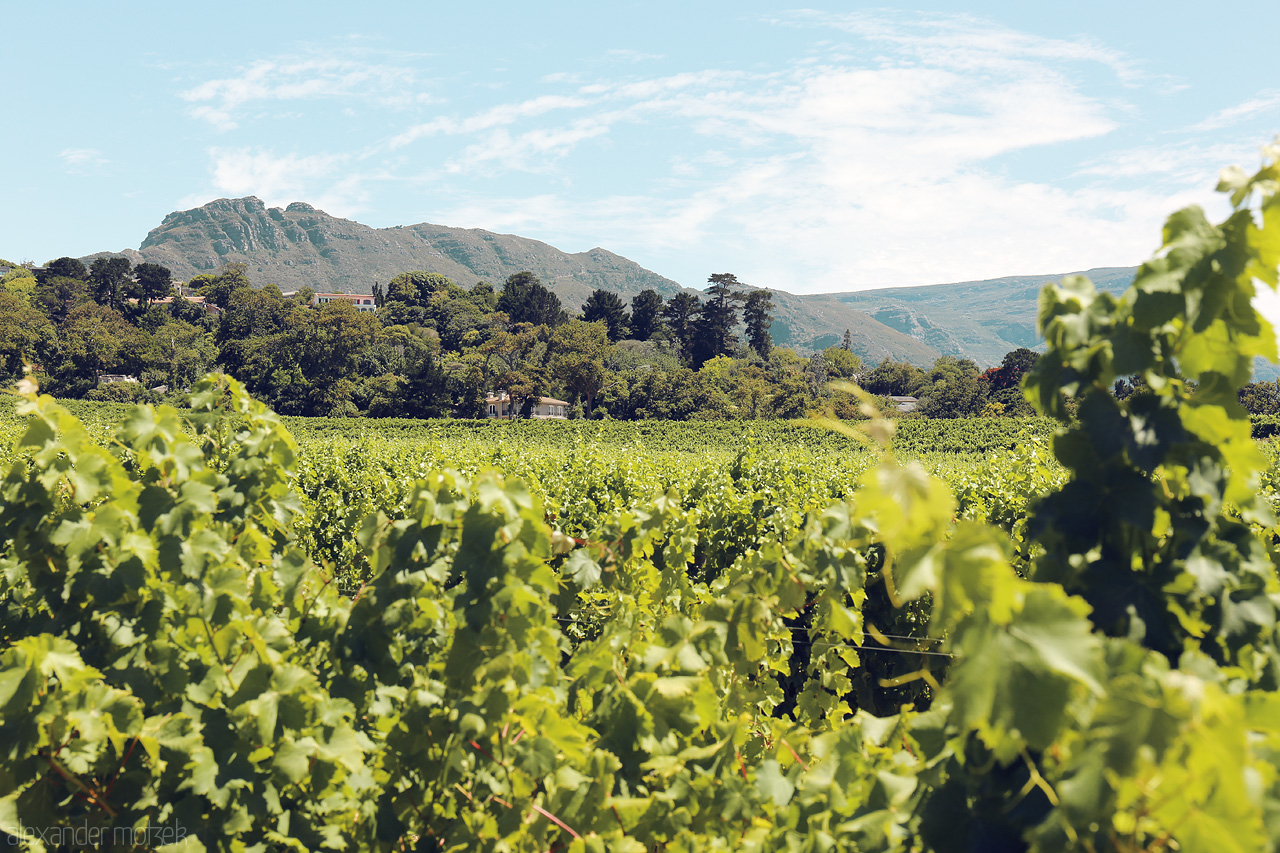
434, 348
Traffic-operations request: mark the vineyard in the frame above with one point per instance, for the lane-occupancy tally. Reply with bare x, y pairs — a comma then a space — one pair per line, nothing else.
226, 630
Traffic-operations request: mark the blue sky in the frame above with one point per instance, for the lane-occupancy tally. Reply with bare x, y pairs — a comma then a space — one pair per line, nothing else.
816, 149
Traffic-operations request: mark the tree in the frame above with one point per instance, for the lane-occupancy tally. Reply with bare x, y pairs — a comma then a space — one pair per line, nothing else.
607, 307
1009, 374
63, 268
95, 339
841, 363
194, 313
25, 333
646, 314
1003, 384
393, 349
151, 282
954, 390
713, 330
815, 374
895, 379
181, 353
218, 289
59, 296
331, 338
416, 288
756, 313
526, 300
483, 295
752, 390
108, 278
1260, 398
679, 314
425, 391
468, 383
575, 357
514, 360
846, 343
455, 319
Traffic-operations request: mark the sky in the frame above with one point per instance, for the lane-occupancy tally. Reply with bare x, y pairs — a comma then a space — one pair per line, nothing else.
831, 148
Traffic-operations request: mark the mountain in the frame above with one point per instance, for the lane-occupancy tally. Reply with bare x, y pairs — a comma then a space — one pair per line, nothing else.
299, 246
981, 320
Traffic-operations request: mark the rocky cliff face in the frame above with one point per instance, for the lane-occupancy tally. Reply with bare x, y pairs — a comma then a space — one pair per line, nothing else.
300, 246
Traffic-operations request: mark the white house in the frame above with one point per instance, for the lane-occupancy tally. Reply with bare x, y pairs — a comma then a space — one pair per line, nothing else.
362, 301
499, 406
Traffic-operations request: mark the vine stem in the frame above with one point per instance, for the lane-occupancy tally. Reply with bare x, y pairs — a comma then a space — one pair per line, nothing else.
90, 793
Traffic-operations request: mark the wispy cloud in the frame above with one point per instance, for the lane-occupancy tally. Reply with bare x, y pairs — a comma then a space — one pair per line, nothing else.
887, 154
1182, 162
277, 179
532, 151
301, 78
848, 172
82, 160
1267, 101
498, 116
965, 41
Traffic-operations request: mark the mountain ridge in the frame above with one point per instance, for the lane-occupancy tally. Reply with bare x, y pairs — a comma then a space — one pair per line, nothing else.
300, 246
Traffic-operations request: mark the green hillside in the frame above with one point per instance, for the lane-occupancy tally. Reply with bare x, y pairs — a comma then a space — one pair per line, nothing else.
299, 246
981, 320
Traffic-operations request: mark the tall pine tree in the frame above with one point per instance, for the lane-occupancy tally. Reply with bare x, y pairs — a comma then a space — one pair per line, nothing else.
606, 306
646, 314
757, 314
527, 300
679, 315
713, 330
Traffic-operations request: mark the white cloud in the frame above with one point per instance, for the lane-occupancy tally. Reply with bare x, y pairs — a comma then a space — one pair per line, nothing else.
964, 41
1267, 101
842, 173
302, 78
278, 179
1183, 162
886, 156
488, 119
82, 160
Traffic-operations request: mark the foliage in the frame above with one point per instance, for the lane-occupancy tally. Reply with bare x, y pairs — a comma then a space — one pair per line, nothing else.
1261, 398
712, 331
840, 363
679, 315
1074, 658
108, 281
576, 356
953, 390
63, 268
25, 332
607, 307
756, 313
894, 379
526, 300
646, 314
